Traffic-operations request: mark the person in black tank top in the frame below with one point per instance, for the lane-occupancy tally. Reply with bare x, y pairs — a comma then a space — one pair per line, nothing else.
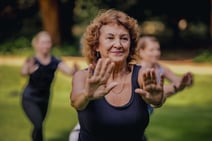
40, 69
111, 96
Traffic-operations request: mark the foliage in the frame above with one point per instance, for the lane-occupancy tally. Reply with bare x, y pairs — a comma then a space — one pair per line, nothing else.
22, 46
205, 56
186, 116
14, 45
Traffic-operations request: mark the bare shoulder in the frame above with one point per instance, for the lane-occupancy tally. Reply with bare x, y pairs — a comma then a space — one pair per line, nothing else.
165, 69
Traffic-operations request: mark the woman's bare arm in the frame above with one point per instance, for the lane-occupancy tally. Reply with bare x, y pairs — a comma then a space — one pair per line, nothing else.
79, 99
66, 69
176, 83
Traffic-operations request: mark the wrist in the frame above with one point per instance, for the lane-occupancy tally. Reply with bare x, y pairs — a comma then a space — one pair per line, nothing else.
160, 103
175, 89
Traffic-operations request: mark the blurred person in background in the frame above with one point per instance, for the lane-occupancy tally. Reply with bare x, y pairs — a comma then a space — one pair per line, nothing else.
148, 56
40, 69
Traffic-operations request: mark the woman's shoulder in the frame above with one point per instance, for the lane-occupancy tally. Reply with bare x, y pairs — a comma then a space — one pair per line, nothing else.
55, 59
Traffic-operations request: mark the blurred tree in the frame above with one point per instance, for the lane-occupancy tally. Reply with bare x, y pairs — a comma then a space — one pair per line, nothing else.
85, 11
49, 10
66, 10
57, 18
211, 19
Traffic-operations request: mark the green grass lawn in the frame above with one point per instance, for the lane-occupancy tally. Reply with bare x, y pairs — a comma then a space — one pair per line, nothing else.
184, 117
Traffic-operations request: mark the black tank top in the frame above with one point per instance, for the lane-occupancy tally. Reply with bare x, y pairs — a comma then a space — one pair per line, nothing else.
101, 121
40, 81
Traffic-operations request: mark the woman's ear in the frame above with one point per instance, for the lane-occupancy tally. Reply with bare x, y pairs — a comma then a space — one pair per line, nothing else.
97, 49
141, 51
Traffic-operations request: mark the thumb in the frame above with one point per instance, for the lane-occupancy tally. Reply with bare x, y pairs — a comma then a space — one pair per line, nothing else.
141, 92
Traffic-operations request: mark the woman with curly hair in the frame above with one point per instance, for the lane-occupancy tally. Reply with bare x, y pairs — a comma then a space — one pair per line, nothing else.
112, 95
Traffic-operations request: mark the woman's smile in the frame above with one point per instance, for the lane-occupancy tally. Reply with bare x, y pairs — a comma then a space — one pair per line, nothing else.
117, 52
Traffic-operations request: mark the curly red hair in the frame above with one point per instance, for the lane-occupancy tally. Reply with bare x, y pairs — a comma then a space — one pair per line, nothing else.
90, 39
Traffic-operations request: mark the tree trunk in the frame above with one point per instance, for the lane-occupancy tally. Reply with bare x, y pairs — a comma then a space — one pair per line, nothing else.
50, 18
66, 20
211, 19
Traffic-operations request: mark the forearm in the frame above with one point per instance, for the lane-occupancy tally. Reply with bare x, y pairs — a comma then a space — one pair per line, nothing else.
80, 101
65, 69
24, 70
170, 90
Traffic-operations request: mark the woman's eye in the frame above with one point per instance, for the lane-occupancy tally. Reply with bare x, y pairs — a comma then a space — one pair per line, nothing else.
125, 39
109, 38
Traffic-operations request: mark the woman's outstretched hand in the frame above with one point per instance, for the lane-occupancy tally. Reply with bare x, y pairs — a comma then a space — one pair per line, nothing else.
186, 81
97, 85
29, 67
152, 91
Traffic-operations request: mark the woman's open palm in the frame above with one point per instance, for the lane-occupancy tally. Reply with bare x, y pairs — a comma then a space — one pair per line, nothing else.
97, 85
152, 91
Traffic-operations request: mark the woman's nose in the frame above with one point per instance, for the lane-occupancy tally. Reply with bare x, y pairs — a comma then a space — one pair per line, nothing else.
117, 43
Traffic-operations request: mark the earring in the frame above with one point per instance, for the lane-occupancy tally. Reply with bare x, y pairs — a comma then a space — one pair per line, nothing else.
98, 55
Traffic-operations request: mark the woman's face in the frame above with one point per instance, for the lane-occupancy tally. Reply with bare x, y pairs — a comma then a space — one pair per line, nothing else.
114, 43
151, 53
44, 44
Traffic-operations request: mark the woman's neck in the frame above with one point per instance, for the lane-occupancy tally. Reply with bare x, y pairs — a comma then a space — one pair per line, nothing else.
42, 56
44, 59
145, 64
120, 70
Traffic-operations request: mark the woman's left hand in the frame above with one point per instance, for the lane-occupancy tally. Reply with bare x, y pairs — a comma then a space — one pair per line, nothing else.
152, 91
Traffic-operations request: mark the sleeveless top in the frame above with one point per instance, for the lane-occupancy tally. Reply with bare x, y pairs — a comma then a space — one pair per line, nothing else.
101, 121
40, 81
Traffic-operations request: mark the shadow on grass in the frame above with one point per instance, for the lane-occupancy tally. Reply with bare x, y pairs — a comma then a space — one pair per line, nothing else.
185, 123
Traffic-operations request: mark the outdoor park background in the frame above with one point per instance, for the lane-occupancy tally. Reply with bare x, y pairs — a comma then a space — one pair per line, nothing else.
183, 28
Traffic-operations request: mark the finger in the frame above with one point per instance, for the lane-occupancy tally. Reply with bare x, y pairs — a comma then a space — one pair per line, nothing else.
111, 86
153, 77
149, 76
108, 72
141, 92
144, 76
35, 67
105, 66
161, 81
98, 67
90, 71
190, 79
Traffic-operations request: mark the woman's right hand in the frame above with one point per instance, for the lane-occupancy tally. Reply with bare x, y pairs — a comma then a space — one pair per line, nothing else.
31, 66
96, 85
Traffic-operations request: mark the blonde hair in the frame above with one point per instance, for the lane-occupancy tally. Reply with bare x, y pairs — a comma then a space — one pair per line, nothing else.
37, 37
90, 39
142, 43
